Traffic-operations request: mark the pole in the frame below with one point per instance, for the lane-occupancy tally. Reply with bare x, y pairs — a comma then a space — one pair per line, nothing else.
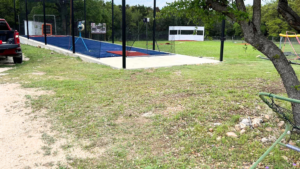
67, 25
124, 32
73, 33
147, 36
27, 19
222, 40
154, 23
45, 32
112, 20
15, 15
85, 18
19, 23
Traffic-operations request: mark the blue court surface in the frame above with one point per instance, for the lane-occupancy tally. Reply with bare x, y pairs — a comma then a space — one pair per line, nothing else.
97, 49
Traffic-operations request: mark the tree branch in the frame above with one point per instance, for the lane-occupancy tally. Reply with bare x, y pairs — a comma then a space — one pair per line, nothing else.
256, 19
241, 5
220, 8
291, 17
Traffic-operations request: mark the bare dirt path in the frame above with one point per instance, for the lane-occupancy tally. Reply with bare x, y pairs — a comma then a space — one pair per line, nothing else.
20, 135
26, 138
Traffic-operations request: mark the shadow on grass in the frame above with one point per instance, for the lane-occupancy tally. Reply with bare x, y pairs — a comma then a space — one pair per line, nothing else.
6, 62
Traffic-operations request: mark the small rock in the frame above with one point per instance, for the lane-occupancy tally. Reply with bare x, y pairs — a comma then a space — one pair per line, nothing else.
211, 134
267, 118
272, 138
231, 134
246, 121
217, 124
219, 138
256, 122
242, 125
148, 114
237, 127
268, 129
264, 140
52, 53
280, 124
210, 129
284, 157
292, 143
243, 131
255, 125
26, 59
277, 120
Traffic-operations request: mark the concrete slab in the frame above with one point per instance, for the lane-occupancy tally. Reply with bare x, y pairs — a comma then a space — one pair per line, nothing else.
155, 61
138, 62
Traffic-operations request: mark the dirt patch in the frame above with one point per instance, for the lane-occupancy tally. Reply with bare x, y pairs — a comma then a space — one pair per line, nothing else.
9, 60
178, 73
38, 73
275, 87
4, 69
26, 138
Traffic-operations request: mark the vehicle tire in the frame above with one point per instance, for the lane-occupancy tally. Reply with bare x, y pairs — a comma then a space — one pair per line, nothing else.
18, 60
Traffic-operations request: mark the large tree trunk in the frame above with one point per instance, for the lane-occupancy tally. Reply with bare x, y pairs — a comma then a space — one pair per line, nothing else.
280, 62
289, 15
252, 34
293, 20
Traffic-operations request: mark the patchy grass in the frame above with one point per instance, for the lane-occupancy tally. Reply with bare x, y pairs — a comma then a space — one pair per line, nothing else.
108, 108
49, 140
234, 52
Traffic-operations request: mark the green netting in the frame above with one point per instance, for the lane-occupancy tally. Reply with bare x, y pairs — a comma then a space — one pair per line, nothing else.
282, 109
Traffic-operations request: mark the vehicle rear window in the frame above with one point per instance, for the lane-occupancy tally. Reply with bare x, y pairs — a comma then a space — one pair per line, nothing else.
3, 26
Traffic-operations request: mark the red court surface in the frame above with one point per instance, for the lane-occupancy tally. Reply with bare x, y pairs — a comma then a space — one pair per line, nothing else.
128, 53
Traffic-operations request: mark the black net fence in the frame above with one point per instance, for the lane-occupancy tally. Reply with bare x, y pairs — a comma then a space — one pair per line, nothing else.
97, 27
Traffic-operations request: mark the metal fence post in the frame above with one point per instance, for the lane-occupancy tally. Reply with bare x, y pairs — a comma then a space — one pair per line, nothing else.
154, 23
222, 40
73, 33
45, 26
124, 32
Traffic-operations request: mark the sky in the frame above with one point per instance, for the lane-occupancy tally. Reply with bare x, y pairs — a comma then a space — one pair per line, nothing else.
159, 3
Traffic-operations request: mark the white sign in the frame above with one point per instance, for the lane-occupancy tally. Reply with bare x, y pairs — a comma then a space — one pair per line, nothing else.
99, 28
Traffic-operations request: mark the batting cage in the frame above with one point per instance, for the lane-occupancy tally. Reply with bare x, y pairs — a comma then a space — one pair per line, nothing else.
98, 29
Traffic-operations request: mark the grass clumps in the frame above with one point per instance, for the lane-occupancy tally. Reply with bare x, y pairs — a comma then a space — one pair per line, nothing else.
106, 106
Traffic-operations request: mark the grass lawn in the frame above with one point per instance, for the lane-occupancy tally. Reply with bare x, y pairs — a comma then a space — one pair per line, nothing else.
108, 108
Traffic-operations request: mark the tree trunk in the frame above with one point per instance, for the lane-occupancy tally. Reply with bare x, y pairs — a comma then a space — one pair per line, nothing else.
280, 62
289, 15
253, 36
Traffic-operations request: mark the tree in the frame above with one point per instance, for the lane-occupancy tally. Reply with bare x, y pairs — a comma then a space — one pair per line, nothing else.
7, 11
251, 28
273, 22
291, 17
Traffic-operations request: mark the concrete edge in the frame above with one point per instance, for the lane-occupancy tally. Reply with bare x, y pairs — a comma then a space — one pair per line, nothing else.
90, 59
84, 58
